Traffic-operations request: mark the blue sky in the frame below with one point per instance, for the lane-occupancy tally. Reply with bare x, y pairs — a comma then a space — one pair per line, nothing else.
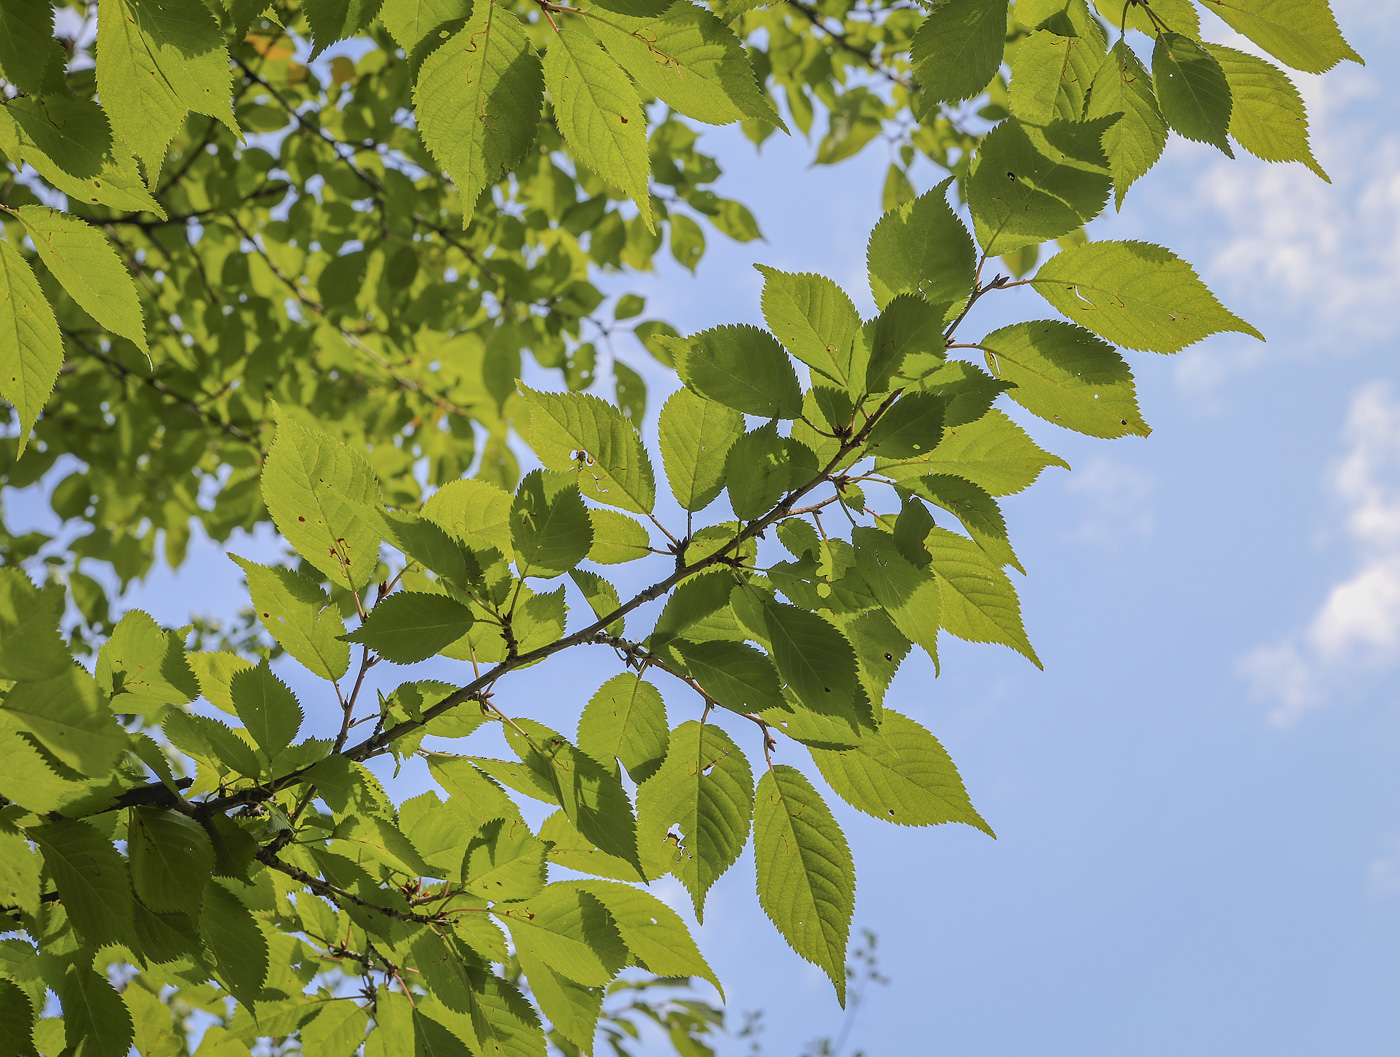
1198, 800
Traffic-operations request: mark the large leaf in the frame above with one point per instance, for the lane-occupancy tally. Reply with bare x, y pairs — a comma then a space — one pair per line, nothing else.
30, 644
921, 247
19, 871
806, 877
568, 930
96, 1022
1299, 33
299, 615
626, 720
89, 269
979, 602
1135, 294
1123, 87
1032, 183
267, 708
16, 1021
504, 860
814, 318
599, 114
907, 593
991, 452
1192, 90
171, 860
1067, 376
1267, 116
1051, 77
654, 933
689, 59
733, 674
958, 48
324, 498
741, 367
68, 716
30, 58
237, 945
410, 21
696, 435
585, 436
30, 349
900, 774
816, 662
156, 62
144, 667
91, 879
477, 100
693, 814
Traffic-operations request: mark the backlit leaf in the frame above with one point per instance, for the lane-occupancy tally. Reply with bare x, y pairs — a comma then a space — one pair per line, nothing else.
30, 350
1192, 90
589, 438
298, 614
741, 367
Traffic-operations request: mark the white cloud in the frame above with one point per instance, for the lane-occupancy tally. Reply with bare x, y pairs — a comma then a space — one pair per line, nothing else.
1356, 628
1118, 508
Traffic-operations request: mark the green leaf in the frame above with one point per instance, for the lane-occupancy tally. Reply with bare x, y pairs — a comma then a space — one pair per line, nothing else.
1267, 117
907, 327
144, 667
88, 267
432, 1039
654, 933
30, 58
473, 796
171, 860
599, 114
410, 21
958, 48
1123, 87
30, 349
991, 452
617, 538
737, 676
324, 498
741, 367
69, 143
757, 472
214, 671
817, 663
912, 426
1302, 34
1032, 183
96, 1022
16, 1021
571, 849
696, 435
267, 708
592, 796
581, 434
601, 596
156, 62
689, 59
237, 945
908, 594
69, 717
979, 603
568, 930
1192, 90
19, 873
333, 20
504, 860
814, 319
299, 615
701, 799
338, 1030
1051, 76
626, 720
1135, 295
410, 626
91, 879
549, 525
210, 740
383, 842
1179, 15
475, 512
1067, 376
921, 248
430, 545
31, 647
974, 507
806, 877
477, 101
900, 774
572, 1009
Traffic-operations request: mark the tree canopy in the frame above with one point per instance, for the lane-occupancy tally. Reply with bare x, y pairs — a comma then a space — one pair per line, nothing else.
243, 283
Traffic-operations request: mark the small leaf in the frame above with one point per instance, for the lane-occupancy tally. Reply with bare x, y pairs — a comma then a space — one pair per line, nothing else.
1067, 376
741, 367
921, 248
82, 259
806, 877
267, 708
617, 538
626, 720
299, 615
900, 774
30, 349
477, 101
1134, 142
1192, 90
549, 524
324, 498
1136, 295
583, 435
696, 435
599, 114
693, 814
91, 879
410, 626
958, 48
814, 319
